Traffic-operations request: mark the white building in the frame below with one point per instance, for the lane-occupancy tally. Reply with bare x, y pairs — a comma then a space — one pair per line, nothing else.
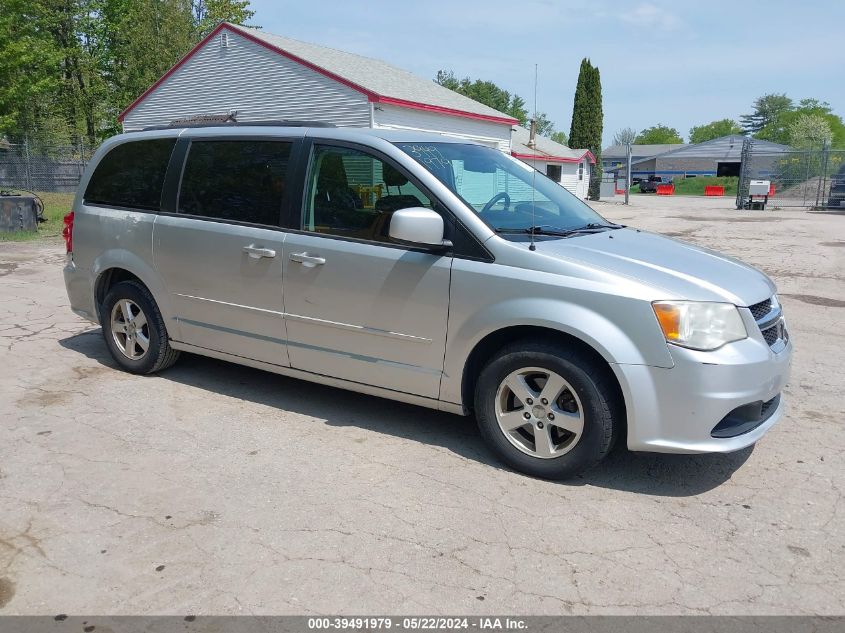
261, 76
569, 167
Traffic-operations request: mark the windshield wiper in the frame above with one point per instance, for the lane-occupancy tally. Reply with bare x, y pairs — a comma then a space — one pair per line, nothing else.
548, 229
544, 229
594, 226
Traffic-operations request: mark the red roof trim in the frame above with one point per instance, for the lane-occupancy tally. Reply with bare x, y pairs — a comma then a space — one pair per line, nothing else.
556, 159
371, 96
442, 110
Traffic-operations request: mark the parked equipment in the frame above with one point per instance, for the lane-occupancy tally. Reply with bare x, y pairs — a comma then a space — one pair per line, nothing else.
758, 194
19, 212
650, 185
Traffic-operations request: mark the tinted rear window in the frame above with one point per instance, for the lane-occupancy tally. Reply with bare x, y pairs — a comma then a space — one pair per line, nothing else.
242, 181
131, 175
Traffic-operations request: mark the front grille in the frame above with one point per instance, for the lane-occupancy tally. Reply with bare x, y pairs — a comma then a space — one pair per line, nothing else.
767, 314
771, 335
759, 310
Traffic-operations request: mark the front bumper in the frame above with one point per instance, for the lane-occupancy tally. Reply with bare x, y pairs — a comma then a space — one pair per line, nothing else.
675, 410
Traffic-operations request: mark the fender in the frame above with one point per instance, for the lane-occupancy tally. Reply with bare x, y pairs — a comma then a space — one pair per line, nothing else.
121, 258
578, 320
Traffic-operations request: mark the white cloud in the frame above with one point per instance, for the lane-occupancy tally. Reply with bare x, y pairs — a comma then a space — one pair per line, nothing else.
650, 15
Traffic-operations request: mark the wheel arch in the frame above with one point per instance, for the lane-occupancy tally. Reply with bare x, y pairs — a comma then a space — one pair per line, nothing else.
107, 279
114, 267
490, 344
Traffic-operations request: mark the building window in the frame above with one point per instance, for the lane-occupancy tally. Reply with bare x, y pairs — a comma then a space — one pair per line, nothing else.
553, 172
581, 171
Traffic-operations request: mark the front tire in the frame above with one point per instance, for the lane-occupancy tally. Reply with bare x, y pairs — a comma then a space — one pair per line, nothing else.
134, 331
547, 410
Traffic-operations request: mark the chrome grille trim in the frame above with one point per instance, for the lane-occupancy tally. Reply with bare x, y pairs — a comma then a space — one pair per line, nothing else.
769, 318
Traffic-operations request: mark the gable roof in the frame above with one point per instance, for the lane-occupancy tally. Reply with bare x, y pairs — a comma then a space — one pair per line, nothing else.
378, 80
725, 147
546, 149
619, 151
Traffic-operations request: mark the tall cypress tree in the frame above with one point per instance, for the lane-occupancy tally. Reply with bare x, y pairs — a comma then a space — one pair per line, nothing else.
587, 118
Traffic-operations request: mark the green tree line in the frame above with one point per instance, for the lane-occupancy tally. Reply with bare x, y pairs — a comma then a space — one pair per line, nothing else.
498, 98
68, 67
775, 117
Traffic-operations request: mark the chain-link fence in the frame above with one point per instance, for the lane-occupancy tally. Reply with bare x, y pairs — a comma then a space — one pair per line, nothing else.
813, 178
43, 168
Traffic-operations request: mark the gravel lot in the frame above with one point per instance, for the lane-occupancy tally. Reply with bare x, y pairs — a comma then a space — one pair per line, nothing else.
219, 489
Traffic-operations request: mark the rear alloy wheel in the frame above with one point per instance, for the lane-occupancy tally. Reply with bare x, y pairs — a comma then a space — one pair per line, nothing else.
134, 331
130, 329
547, 409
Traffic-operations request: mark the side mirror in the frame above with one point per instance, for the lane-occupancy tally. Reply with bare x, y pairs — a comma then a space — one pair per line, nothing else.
418, 226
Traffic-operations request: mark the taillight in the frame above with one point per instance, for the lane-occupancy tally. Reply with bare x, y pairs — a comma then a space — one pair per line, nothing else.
67, 232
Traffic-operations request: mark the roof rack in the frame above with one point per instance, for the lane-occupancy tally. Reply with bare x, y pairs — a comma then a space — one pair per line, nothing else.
213, 121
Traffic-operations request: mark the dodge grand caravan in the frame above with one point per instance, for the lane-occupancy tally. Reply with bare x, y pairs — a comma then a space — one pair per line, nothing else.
430, 270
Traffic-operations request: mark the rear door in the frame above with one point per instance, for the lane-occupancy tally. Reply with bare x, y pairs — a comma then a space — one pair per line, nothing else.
357, 306
220, 249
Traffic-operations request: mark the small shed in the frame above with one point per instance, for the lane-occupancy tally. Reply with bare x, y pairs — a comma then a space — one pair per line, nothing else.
262, 76
569, 167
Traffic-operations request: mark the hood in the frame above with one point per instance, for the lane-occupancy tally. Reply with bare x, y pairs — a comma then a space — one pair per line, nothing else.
677, 269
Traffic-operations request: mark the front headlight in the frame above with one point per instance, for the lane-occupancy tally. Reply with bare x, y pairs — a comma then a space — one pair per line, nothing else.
699, 325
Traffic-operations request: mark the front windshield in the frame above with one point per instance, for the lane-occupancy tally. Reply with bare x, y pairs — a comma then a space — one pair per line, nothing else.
505, 192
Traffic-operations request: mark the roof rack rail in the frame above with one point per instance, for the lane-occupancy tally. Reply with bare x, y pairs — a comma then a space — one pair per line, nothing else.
208, 122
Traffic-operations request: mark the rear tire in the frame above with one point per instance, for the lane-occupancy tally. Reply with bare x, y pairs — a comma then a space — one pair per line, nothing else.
547, 410
134, 331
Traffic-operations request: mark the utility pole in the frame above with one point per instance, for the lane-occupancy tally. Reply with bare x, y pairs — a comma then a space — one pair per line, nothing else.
627, 171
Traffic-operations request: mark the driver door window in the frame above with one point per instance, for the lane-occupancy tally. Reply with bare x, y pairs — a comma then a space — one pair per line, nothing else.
354, 194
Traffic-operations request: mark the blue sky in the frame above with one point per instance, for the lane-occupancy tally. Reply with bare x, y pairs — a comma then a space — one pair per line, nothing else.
679, 63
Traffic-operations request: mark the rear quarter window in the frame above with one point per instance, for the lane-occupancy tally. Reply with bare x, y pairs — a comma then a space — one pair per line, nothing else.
131, 175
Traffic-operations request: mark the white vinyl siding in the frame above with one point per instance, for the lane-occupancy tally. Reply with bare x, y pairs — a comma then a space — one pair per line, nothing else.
497, 135
568, 176
256, 82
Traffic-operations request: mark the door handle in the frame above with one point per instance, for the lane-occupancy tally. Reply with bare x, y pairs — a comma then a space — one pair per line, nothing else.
308, 260
257, 253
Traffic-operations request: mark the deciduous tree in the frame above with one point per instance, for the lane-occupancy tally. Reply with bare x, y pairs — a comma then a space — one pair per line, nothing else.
68, 67
809, 131
625, 136
716, 129
208, 13
766, 109
496, 97
658, 135
559, 137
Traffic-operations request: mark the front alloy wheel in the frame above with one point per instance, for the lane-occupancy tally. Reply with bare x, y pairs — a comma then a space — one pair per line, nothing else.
539, 412
548, 408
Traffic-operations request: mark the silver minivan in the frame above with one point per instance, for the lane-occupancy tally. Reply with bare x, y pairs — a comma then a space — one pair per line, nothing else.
427, 269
